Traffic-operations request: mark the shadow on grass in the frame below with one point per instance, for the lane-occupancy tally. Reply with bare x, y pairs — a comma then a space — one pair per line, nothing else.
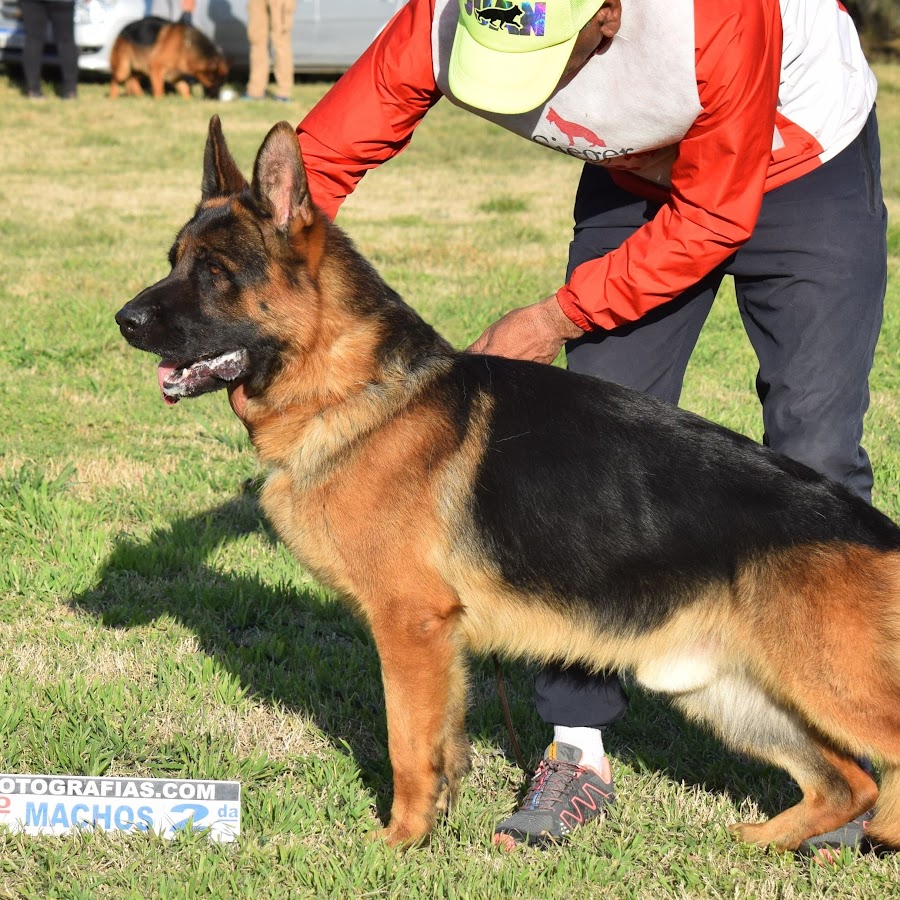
306, 652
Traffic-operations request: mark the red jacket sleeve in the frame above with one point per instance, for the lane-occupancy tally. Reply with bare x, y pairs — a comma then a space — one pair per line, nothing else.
369, 115
718, 176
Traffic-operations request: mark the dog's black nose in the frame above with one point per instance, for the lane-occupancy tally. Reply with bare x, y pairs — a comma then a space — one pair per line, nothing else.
131, 319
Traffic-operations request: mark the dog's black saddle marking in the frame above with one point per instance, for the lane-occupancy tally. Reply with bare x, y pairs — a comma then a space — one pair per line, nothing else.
144, 32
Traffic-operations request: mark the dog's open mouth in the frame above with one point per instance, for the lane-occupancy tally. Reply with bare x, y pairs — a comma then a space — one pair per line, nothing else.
180, 379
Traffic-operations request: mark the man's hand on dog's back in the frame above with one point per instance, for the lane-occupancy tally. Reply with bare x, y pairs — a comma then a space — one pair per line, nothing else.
536, 332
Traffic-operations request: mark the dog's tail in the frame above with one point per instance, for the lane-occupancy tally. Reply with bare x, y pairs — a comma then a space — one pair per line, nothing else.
831, 646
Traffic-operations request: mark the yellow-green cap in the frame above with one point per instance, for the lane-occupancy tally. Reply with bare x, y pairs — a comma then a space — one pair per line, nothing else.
508, 55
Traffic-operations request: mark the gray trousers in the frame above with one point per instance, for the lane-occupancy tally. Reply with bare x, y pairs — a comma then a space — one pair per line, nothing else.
810, 286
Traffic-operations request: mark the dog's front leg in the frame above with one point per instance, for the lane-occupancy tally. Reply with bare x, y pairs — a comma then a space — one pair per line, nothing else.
423, 669
157, 81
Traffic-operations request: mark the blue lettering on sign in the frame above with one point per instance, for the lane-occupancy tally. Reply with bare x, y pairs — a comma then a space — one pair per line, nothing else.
125, 818
36, 814
59, 816
103, 817
77, 810
196, 812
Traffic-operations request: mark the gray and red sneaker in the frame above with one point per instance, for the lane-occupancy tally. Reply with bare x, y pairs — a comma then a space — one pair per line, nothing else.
827, 847
562, 796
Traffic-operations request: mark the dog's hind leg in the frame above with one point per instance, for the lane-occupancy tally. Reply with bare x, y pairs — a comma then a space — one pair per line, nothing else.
833, 647
423, 668
835, 788
885, 827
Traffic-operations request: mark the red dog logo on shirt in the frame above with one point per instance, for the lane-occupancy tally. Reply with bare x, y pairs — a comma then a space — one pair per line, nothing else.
573, 130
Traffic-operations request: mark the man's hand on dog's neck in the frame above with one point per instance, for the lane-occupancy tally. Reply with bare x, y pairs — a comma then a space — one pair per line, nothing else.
535, 332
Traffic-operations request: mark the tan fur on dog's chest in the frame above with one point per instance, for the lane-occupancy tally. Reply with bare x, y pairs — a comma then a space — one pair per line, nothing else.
375, 526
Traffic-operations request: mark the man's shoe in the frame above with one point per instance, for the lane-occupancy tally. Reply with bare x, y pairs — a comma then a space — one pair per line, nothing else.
562, 796
827, 847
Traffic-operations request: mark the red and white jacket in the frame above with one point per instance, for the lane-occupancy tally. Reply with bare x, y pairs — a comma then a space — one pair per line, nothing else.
702, 104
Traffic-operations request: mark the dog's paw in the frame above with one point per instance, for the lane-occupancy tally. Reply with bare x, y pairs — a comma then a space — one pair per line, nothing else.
400, 836
763, 834
749, 833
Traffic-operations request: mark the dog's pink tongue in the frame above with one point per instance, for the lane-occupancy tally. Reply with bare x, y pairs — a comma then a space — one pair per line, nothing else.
163, 371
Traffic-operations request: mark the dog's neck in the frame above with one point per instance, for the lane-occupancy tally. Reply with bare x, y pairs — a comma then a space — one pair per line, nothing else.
372, 356
309, 436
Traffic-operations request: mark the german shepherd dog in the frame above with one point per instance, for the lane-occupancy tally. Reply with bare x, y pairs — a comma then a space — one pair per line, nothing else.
165, 51
472, 503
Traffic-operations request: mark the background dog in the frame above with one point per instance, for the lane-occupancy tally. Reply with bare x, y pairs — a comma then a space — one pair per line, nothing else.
466, 502
164, 52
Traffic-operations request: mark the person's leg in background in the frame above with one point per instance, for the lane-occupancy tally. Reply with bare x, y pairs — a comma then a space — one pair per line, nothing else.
258, 38
62, 21
34, 17
282, 47
810, 285
650, 356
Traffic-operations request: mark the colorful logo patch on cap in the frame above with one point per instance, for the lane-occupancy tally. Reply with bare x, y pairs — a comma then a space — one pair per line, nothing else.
523, 19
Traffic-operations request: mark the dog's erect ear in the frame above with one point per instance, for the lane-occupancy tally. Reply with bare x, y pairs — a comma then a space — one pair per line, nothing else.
279, 179
221, 176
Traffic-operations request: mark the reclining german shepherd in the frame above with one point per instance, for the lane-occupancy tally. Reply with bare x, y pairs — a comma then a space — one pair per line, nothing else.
436, 491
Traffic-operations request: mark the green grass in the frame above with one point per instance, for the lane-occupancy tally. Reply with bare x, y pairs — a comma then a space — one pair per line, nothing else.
151, 623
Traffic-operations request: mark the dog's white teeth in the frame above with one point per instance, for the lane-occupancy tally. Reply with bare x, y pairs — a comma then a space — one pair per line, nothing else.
178, 380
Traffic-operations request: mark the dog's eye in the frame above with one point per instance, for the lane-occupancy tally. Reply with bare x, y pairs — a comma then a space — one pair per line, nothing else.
214, 270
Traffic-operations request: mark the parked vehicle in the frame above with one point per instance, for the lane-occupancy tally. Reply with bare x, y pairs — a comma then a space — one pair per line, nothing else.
328, 34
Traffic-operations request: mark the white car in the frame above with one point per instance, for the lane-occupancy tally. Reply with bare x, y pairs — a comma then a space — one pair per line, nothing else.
328, 35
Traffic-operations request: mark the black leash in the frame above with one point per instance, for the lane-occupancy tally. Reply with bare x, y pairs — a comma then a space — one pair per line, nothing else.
507, 715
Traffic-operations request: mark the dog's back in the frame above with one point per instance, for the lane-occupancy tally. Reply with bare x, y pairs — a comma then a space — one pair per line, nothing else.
144, 32
659, 489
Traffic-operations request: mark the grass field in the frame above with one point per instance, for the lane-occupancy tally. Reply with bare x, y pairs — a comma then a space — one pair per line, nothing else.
152, 625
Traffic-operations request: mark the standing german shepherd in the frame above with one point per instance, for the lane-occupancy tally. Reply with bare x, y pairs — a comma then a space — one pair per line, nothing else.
466, 502
165, 51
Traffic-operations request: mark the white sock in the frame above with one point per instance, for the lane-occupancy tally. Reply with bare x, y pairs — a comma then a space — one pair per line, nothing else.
588, 740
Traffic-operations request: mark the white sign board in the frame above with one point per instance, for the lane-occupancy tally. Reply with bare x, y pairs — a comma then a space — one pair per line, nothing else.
57, 804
